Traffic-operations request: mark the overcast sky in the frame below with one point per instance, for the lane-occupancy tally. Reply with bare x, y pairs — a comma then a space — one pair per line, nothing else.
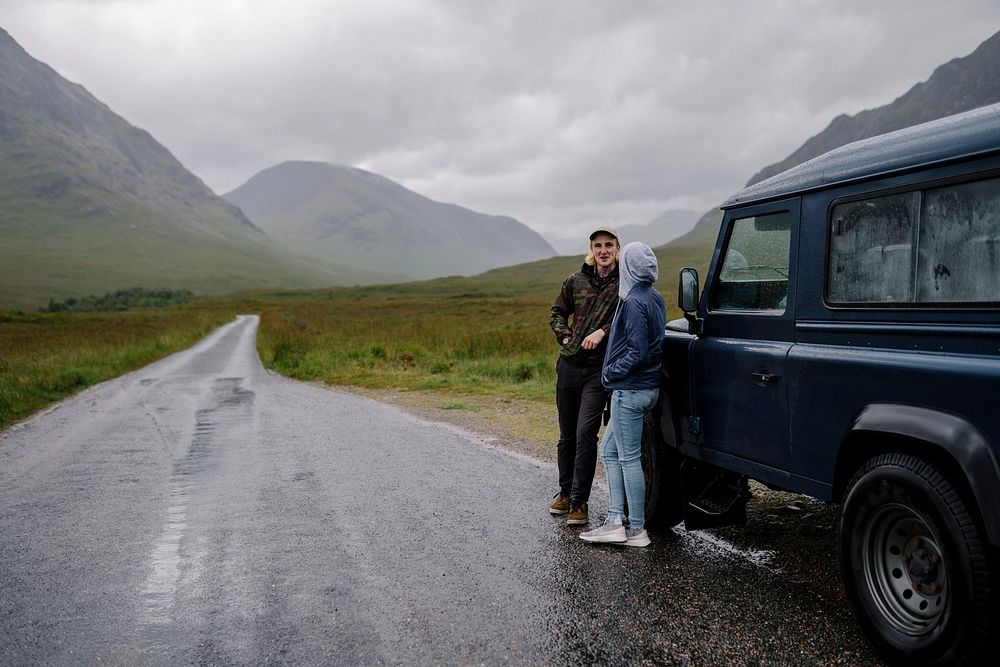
563, 114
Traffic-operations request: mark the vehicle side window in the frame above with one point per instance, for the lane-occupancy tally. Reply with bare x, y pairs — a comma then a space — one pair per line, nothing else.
754, 274
959, 249
940, 245
871, 252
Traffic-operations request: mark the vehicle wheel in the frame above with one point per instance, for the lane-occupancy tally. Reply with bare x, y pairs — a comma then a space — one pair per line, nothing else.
913, 563
661, 468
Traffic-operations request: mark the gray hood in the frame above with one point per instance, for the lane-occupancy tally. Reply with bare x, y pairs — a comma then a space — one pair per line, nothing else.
637, 265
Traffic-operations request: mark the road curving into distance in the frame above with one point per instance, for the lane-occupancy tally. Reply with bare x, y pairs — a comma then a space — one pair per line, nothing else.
205, 510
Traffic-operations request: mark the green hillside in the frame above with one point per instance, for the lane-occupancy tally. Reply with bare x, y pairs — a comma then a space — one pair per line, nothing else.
55, 250
89, 203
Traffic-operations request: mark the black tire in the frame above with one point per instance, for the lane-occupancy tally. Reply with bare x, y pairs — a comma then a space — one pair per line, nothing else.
914, 566
661, 468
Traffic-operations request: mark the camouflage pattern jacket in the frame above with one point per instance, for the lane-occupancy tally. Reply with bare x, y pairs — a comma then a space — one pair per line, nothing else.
590, 300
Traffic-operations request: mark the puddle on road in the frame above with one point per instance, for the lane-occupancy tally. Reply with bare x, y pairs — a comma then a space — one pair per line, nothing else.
165, 560
706, 543
228, 405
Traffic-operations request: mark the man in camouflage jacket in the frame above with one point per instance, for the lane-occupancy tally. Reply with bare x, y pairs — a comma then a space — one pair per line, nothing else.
581, 318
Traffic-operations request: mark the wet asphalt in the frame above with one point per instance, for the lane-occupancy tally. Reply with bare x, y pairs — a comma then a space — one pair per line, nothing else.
204, 511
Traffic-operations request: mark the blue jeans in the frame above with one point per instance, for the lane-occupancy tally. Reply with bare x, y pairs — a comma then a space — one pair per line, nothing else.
621, 449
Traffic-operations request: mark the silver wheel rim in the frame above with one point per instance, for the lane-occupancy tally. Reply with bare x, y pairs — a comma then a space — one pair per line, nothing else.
905, 569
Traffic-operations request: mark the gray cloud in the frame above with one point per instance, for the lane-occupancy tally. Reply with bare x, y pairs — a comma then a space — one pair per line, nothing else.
561, 113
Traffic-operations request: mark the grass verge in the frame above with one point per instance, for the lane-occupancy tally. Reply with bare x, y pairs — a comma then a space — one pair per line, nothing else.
453, 345
47, 357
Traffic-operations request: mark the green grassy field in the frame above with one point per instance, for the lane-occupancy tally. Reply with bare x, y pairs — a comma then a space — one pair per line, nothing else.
459, 338
456, 344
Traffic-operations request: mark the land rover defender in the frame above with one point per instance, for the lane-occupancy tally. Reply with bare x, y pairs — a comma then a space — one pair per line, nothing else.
847, 346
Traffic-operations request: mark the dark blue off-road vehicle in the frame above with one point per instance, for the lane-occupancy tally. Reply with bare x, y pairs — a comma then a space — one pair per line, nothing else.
847, 346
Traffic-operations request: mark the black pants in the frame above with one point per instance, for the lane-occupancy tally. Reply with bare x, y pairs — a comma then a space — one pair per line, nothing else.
580, 399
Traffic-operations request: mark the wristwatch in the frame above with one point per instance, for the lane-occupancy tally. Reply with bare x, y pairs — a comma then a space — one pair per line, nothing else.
566, 340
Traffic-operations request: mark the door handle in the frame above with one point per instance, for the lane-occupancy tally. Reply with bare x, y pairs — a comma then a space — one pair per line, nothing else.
765, 377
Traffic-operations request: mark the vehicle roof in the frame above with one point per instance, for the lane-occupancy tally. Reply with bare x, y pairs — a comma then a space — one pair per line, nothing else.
963, 135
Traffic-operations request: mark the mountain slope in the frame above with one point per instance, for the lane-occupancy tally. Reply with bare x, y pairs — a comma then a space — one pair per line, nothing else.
89, 203
961, 84
343, 214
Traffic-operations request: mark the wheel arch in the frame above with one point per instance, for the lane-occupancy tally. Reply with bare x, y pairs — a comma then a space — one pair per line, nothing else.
952, 443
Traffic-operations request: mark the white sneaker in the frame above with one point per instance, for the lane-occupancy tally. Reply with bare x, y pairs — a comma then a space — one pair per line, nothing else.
636, 538
612, 533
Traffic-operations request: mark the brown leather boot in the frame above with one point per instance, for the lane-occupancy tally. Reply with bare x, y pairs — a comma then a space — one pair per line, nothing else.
560, 505
578, 515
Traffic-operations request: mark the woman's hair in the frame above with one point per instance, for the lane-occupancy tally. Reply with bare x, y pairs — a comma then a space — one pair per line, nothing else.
590, 260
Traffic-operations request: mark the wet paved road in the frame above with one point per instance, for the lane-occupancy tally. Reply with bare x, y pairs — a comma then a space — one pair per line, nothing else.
202, 510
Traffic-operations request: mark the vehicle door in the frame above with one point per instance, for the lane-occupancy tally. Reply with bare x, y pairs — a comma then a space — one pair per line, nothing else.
741, 401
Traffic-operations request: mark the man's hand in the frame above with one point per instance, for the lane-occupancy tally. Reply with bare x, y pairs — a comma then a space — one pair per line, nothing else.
593, 340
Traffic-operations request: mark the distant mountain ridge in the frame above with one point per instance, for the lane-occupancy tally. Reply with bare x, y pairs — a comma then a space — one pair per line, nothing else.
664, 228
344, 214
961, 84
90, 203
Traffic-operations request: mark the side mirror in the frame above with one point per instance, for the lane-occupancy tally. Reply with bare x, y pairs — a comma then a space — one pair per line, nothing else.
687, 290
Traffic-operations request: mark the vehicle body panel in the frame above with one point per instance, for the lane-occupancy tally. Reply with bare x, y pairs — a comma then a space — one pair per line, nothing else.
776, 394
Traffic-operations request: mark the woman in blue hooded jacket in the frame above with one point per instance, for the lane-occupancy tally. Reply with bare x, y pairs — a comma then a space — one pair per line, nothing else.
632, 372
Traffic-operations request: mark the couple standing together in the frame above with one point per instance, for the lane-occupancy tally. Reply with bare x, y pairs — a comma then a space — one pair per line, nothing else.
609, 322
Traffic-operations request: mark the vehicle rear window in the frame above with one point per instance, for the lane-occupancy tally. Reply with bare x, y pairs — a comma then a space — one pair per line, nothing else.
933, 246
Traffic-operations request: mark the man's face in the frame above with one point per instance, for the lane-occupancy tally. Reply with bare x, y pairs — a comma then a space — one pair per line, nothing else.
605, 250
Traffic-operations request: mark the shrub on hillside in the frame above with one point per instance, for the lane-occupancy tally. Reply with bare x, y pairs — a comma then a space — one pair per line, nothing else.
127, 299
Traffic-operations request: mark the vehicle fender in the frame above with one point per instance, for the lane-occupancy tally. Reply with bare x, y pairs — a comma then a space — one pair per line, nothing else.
959, 438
